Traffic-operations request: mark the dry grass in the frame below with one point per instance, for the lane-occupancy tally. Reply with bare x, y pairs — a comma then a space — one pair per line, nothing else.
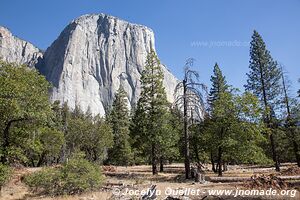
135, 177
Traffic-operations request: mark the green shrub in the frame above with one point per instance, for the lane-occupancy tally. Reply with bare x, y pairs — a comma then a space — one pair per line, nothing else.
5, 173
47, 181
74, 177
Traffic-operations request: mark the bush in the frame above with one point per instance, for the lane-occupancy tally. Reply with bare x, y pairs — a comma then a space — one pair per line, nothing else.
74, 177
5, 173
46, 181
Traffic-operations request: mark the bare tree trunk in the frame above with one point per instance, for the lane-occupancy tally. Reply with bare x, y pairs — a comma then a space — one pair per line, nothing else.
186, 134
188, 85
295, 145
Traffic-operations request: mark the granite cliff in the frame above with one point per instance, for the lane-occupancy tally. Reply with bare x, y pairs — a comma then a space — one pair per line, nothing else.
90, 59
13, 49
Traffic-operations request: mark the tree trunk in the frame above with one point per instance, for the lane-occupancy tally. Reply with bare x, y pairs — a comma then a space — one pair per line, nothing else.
161, 166
5, 144
186, 134
269, 118
41, 160
287, 104
62, 157
296, 151
196, 153
95, 155
154, 160
219, 161
224, 167
212, 163
274, 153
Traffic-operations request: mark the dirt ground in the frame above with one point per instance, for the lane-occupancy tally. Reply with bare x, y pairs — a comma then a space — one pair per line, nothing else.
120, 181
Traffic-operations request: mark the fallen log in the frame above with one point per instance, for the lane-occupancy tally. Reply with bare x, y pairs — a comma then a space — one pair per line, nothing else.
227, 179
243, 179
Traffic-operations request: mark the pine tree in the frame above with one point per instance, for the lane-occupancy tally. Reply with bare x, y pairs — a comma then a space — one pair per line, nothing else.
120, 153
138, 134
219, 84
169, 137
218, 88
151, 108
264, 82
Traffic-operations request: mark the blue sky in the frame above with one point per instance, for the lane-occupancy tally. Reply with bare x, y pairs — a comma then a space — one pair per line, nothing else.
209, 31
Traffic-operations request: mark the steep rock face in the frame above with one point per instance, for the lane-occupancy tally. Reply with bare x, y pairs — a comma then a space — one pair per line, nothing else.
94, 55
13, 49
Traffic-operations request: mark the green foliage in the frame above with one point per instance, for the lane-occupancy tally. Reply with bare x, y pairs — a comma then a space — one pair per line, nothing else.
120, 153
92, 135
24, 106
47, 181
264, 76
264, 81
137, 128
149, 121
219, 84
52, 141
289, 133
170, 135
74, 177
24, 94
5, 173
234, 128
232, 132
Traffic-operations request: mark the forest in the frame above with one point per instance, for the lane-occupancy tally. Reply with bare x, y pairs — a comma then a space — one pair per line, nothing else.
214, 125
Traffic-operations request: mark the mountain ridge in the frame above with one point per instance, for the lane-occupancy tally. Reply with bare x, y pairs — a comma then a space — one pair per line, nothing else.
93, 56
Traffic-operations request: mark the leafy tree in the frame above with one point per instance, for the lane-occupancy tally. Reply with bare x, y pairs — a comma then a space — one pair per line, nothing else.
233, 131
92, 135
151, 108
60, 119
98, 140
52, 141
120, 153
23, 99
200, 151
290, 120
264, 82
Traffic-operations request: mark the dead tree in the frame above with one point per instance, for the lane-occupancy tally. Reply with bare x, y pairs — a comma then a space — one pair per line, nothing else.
189, 99
290, 121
